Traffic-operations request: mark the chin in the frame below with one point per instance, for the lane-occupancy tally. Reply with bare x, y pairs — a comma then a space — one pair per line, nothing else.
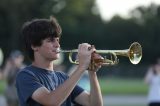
55, 58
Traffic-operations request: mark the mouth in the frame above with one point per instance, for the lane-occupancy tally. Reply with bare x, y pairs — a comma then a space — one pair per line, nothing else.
56, 50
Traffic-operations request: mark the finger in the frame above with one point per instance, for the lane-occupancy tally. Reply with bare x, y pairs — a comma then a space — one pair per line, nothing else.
91, 47
79, 47
96, 68
85, 46
92, 50
98, 65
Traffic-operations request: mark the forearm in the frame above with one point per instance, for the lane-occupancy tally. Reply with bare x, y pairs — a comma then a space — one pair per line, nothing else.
95, 97
64, 90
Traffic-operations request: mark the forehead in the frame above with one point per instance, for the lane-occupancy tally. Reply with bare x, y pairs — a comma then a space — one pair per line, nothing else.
52, 38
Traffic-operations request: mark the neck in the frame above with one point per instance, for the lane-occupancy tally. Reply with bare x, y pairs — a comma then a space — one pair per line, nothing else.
48, 65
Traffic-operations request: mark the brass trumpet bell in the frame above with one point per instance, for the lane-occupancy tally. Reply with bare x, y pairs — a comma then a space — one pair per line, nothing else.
135, 53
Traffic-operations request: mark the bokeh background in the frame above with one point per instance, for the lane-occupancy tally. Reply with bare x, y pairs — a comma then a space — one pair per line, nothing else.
89, 21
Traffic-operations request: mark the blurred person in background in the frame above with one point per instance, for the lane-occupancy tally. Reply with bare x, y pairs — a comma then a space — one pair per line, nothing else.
39, 84
12, 66
152, 78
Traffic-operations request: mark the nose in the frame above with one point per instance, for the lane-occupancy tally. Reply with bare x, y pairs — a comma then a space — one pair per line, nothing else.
56, 44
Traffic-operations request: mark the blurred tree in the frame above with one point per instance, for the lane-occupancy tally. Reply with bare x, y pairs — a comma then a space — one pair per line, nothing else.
79, 19
81, 22
148, 18
14, 13
73, 15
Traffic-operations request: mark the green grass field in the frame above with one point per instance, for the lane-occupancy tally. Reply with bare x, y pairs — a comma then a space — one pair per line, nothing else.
113, 86
123, 86
2, 86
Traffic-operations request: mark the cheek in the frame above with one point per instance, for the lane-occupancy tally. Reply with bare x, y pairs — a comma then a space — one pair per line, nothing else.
46, 48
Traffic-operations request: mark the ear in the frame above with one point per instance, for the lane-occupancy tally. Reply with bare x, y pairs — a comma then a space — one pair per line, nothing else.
35, 48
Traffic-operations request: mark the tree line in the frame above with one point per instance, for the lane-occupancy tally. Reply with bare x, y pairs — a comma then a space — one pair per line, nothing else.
81, 22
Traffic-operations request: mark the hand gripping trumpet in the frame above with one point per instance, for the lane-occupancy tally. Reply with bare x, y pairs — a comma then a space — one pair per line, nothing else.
134, 53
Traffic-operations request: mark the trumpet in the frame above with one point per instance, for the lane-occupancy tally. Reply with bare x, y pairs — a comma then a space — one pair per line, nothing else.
134, 53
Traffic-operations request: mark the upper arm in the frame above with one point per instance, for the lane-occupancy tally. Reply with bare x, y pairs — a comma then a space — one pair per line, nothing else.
26, 84
41, 95
83, 98
148, 76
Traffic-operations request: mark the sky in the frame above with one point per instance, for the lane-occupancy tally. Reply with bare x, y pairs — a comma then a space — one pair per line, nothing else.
109, 8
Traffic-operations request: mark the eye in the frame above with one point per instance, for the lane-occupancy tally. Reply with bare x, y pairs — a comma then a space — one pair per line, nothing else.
57, 39
52, 39
49, 40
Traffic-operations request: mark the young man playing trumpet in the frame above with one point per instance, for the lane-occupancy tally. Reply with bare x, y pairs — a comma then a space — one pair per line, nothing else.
39, 84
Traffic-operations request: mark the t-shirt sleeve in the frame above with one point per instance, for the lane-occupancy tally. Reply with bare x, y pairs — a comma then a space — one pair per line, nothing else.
76, 91
26, 83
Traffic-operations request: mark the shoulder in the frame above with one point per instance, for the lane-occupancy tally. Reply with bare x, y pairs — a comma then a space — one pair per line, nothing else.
25, 72
61, 74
